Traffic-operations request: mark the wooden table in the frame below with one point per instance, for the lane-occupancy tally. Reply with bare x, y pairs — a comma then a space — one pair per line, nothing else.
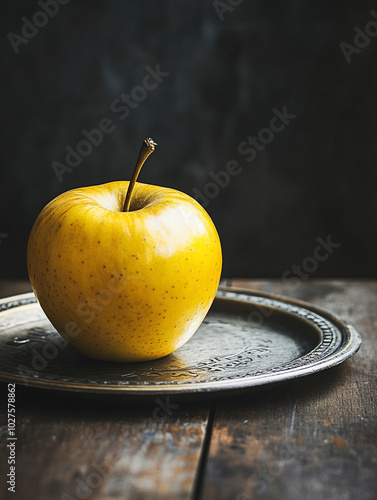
312, 438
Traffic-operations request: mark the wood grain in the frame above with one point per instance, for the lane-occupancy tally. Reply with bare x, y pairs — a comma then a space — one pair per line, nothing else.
72, 447
312, 438
75, 447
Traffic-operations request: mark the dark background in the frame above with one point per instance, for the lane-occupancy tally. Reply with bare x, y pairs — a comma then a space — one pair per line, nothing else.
315, 178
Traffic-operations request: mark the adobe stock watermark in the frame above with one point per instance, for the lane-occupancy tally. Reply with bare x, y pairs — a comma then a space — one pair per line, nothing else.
45, 353
258, 315
295, 275
298, 273
87, 309
84, 487
223, 6
162, 409
93, 479
121, 107
361, 39
250, 148
257, 482
30, 28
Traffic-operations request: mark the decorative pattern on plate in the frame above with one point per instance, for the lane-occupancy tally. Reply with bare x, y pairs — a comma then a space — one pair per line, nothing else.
246, 340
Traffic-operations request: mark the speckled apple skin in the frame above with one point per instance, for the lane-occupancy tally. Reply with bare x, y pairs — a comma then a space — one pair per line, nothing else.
124, 286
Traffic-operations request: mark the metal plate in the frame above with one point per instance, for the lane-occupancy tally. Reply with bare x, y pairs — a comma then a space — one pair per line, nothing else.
246, 341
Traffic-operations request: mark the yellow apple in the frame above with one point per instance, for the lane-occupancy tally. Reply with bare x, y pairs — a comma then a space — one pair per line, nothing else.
125, 283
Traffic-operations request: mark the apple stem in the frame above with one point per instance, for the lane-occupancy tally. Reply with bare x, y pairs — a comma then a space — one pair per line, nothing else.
146, 149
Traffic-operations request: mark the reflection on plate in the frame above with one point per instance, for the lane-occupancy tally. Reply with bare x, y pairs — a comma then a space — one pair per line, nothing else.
246, 341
